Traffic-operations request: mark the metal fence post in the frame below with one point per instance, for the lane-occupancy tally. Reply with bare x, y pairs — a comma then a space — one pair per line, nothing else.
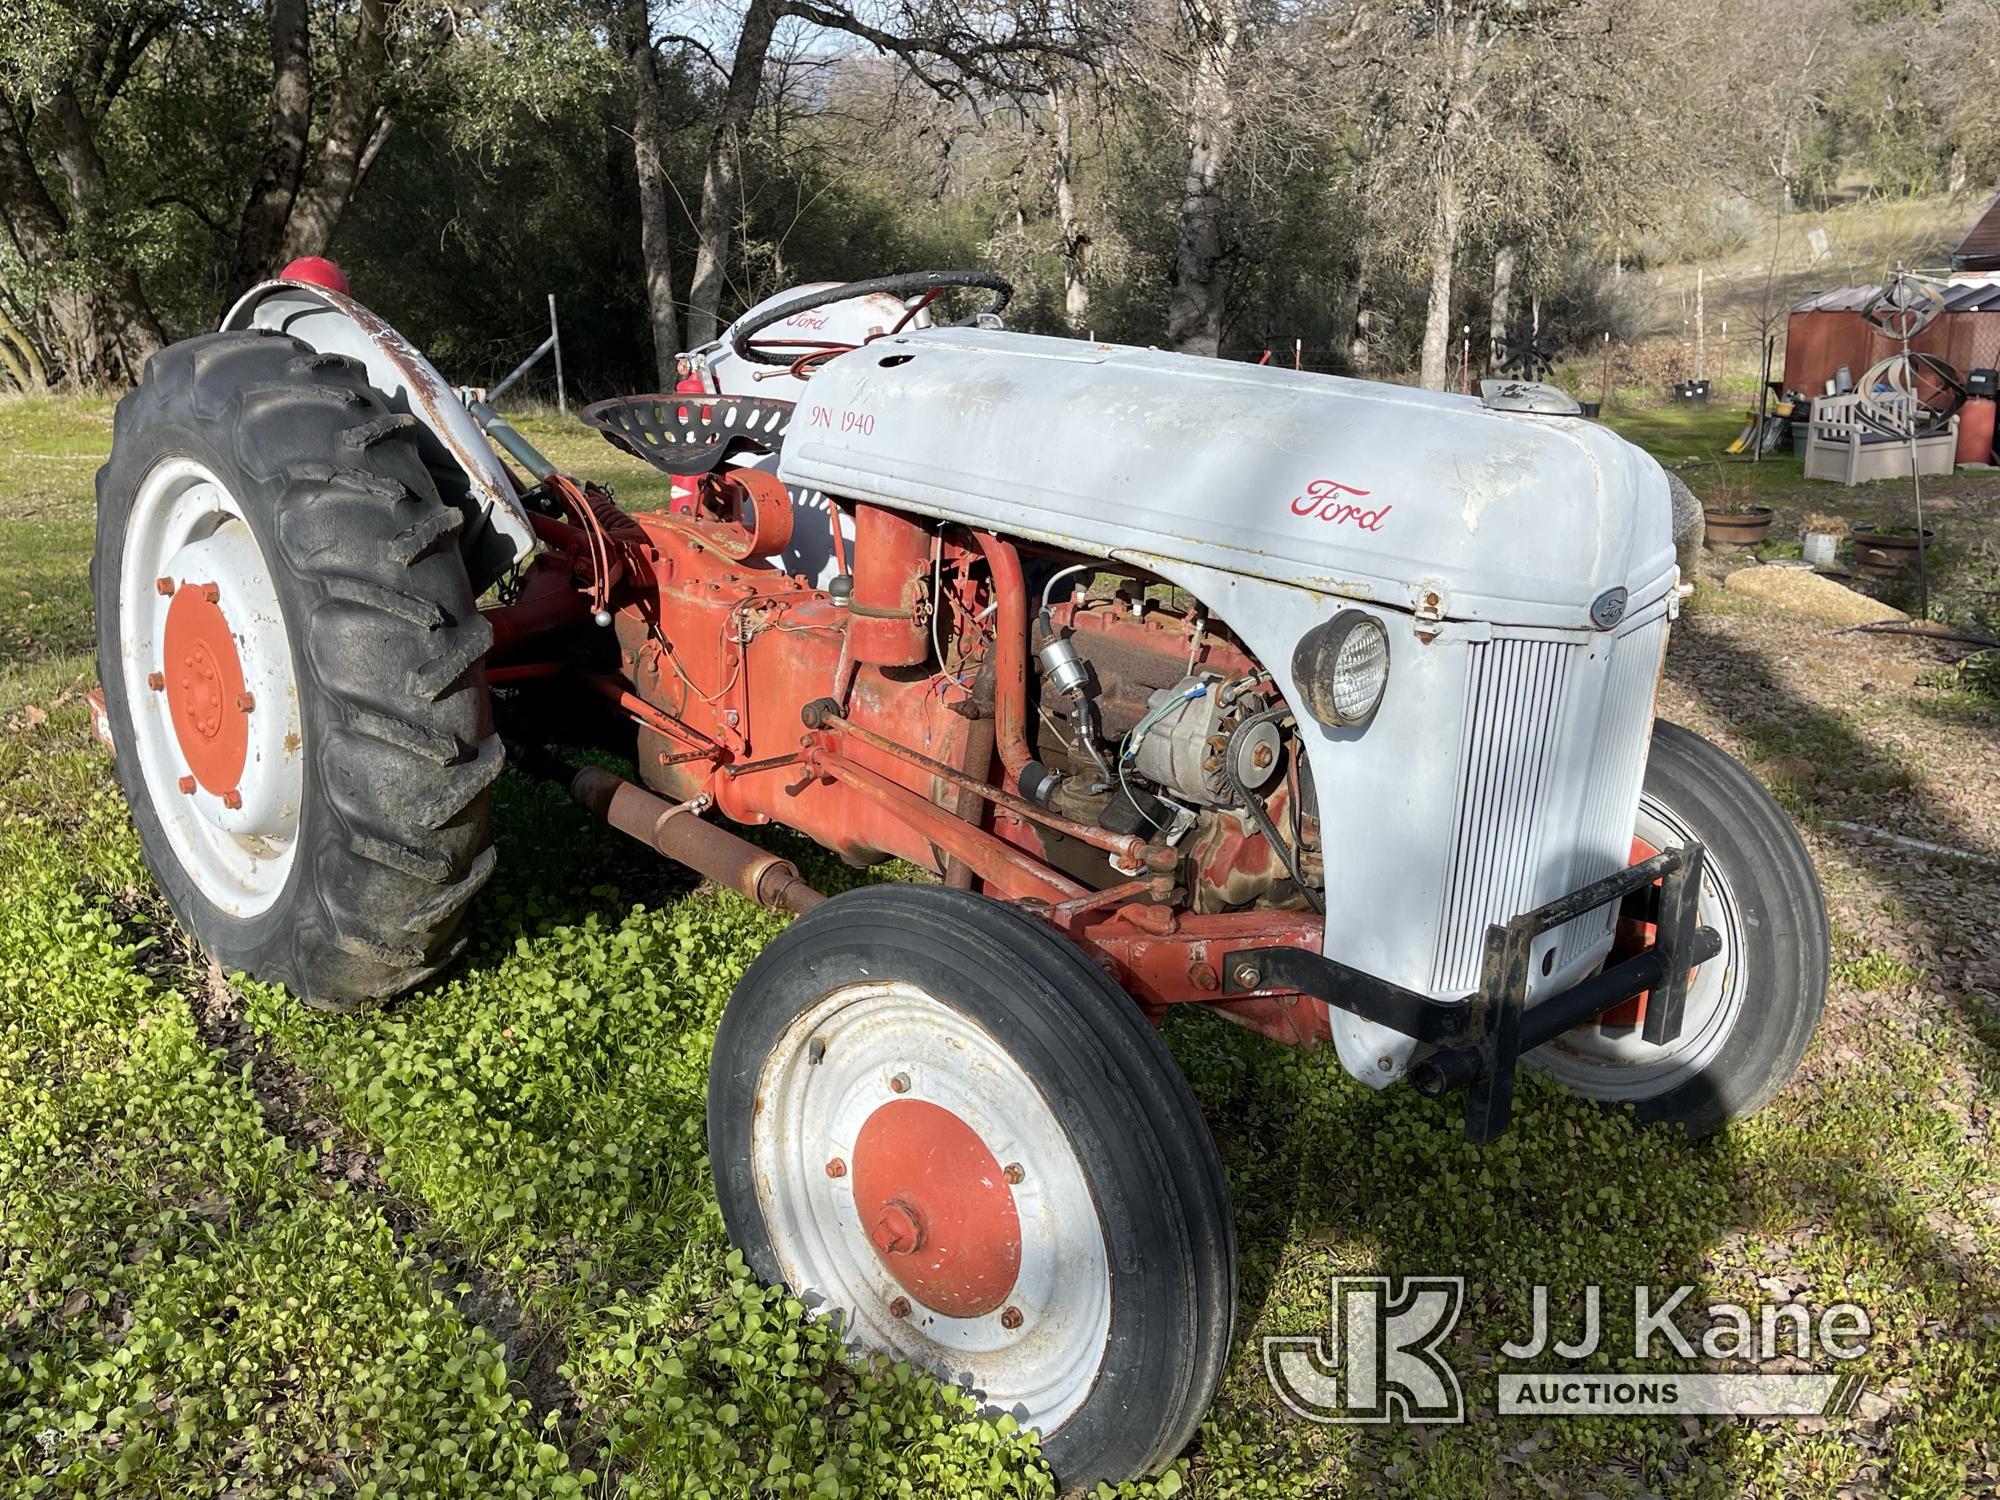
555, 337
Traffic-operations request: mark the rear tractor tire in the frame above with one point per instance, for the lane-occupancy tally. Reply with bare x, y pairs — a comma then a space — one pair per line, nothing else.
291, 659
932, 1116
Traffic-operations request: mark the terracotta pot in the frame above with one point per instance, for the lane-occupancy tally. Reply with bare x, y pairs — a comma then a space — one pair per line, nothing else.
1888, 556
1737, 528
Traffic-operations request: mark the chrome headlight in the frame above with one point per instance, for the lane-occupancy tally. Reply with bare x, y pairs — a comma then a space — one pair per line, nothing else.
1341, 668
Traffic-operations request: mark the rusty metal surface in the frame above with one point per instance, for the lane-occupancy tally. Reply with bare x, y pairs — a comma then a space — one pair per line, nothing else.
1129, 847
1010, 652
1003, 867
316, 314
677, 831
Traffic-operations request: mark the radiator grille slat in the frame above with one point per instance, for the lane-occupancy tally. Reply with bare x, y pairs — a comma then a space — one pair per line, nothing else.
1514, 699
1617, 766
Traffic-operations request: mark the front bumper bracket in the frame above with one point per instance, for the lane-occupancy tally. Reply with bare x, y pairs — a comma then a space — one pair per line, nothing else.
1479, 1039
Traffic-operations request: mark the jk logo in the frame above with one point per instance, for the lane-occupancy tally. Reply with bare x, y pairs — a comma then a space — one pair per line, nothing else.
1380, 1358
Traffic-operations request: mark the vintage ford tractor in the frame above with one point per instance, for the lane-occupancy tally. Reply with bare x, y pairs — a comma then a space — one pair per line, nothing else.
1321, 705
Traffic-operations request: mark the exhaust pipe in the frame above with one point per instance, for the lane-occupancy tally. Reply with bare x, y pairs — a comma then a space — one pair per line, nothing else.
676, 830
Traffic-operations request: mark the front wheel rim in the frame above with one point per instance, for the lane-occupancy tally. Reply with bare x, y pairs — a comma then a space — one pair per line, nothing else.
205, 661
1615, 1063
914, 1180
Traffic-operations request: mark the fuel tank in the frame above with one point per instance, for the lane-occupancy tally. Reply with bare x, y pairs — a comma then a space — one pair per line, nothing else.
1414, 500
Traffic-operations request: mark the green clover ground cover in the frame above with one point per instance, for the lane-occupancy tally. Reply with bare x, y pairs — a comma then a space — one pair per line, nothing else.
525, 1287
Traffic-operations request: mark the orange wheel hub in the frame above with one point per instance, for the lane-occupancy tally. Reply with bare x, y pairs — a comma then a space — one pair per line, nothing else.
204, 687
936, 1205
1631, 939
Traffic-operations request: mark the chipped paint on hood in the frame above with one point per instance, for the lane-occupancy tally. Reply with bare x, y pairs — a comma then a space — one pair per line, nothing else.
1340, 486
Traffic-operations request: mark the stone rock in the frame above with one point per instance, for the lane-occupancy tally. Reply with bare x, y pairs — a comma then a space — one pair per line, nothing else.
1789, 770
1689, 528
1799, 591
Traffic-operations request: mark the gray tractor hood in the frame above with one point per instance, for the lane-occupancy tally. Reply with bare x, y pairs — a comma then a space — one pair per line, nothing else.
1413, 499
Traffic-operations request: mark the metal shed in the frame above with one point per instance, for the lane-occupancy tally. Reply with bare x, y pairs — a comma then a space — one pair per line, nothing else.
1826, 331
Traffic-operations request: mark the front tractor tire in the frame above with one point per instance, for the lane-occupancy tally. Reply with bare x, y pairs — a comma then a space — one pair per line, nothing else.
1752, 1009
932, 1116
290, 653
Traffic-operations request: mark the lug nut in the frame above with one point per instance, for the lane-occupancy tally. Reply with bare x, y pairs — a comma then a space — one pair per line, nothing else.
1246, 976
1010, 1318
187, 786
211, 593
157, 681
836, 1168
1013, 1173
163, 586
900, 1308
232, 799
245, 702
900, 1084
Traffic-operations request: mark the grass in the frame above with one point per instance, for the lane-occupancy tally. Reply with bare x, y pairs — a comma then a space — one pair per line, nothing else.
468, 1246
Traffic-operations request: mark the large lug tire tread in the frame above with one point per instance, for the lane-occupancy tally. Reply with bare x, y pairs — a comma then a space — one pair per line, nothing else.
1132, 1118
1746, 833
387, 644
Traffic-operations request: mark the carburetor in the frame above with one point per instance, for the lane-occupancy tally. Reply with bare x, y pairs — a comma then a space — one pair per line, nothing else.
1190, 728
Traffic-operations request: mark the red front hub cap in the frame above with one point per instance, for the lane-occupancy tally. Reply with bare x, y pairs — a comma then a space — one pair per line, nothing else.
204, 686
1632, 938
937, 1208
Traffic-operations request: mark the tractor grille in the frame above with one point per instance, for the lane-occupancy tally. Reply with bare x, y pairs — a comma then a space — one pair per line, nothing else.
1513, 814
1617, 766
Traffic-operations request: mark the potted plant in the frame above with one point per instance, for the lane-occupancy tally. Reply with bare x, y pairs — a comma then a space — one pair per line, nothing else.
1728, 522
1821, 537
1887, 551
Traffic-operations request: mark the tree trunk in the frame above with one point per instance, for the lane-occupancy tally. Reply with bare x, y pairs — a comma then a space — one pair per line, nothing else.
721, 179
262, 229
643, 63
22, 359
1437, 313
37, 228
1075, 238
31, 214
1203, 258
127, 317
1503, 306
353, 126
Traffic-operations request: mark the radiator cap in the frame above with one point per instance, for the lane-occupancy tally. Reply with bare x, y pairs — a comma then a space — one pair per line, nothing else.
1529, 396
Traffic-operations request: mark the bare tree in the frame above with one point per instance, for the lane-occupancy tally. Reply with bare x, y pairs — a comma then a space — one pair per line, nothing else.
1258, 88
721, 180
1203, 252
642, 64
357, 122
286, 137
1075, 238
1524, 118
963, 49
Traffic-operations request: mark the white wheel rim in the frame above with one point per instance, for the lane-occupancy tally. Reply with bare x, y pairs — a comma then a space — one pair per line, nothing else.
187, 528
867, 1040
1615, 1062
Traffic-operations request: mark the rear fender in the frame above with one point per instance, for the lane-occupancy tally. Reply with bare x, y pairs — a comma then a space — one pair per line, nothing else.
470, 476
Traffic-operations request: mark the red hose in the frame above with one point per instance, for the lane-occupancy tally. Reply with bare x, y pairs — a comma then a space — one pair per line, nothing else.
1010, 653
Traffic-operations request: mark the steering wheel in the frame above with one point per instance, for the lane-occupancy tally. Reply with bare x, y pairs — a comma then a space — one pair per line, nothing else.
924, 284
